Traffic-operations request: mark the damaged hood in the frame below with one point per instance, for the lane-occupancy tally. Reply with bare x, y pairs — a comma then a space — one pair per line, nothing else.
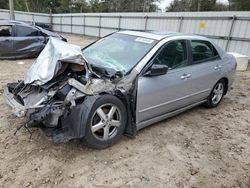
49, 62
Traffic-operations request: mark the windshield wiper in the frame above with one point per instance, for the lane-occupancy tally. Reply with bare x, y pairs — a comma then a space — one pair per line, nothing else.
101, 71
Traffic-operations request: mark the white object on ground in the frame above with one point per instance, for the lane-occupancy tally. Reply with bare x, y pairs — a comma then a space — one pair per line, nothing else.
242, 61
20, 62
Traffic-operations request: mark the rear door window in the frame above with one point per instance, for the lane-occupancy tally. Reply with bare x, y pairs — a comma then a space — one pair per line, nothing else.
5, 31
203, 51
24, 31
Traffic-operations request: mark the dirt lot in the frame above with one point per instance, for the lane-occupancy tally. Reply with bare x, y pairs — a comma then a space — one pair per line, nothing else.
199, 148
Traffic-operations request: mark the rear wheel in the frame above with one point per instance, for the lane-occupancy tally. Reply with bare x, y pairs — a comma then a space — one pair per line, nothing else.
106, 122
216, 95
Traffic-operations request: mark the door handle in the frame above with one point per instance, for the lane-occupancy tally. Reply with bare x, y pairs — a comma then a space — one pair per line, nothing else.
218, 67
185, 76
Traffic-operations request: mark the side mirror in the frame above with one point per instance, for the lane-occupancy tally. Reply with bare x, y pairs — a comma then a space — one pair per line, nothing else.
157, 70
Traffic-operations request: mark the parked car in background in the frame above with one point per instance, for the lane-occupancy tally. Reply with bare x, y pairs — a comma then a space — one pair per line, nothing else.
21, 40
48, 27
119, 84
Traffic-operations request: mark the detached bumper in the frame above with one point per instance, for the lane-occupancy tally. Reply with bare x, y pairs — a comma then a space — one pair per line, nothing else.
18, 109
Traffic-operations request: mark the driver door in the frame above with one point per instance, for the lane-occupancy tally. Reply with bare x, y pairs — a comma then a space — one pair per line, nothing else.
158, 95
28, 41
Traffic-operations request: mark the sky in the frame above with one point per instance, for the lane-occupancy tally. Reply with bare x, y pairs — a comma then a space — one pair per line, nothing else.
165, 3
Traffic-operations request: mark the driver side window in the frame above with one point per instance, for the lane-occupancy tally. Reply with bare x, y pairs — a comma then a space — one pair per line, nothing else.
25, 31
173, 54
5, 31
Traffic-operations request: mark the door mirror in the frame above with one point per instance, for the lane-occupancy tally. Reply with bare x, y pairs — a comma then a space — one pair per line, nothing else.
157, 70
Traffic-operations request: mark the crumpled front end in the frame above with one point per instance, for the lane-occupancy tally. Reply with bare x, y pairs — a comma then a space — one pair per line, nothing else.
18, 109
56, 86
50, 105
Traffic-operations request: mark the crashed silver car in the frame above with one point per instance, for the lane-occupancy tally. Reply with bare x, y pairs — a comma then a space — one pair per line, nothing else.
119, 84
21, 40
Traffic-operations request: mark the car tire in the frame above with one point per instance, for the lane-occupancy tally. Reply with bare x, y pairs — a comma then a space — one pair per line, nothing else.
216, 94
106, 122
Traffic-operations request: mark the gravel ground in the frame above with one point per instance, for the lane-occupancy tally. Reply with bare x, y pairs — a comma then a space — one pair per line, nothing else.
199, 148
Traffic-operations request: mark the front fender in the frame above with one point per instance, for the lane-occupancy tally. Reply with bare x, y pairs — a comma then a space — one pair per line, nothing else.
74, 124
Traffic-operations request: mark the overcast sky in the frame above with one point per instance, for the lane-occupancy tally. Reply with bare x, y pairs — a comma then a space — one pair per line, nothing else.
165, 3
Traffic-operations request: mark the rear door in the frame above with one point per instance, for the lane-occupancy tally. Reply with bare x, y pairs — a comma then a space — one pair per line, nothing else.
28, 41
6, 41
205, 69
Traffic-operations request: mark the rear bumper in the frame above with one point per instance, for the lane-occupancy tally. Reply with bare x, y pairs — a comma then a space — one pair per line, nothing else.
18, 109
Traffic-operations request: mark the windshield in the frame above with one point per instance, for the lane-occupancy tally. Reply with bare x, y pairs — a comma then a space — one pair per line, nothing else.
120, 52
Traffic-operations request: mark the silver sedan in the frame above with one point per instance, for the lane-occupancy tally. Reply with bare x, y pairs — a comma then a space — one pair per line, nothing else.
120, 84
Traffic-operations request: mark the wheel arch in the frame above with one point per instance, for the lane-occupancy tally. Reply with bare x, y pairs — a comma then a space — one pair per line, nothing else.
225, 79
130, 128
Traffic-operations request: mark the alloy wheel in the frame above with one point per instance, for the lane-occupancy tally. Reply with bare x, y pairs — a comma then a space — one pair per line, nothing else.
217, 93
105, 121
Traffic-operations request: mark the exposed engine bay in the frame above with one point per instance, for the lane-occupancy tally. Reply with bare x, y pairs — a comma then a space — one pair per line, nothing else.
56, 86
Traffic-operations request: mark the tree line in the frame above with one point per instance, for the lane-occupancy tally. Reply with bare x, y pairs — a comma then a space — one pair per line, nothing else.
78, 6
208, 5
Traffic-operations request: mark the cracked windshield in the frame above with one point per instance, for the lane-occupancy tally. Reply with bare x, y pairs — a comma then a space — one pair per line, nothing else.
120, 52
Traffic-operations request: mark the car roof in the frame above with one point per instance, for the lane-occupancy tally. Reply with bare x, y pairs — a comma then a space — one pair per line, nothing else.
12, 22
159, 35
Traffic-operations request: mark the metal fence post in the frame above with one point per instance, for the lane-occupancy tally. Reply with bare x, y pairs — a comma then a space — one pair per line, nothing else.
99, 33
33, 19
83, 29
71, 29
230, 32
51, 21
146, 22
180, 24
119, 23
61, 23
